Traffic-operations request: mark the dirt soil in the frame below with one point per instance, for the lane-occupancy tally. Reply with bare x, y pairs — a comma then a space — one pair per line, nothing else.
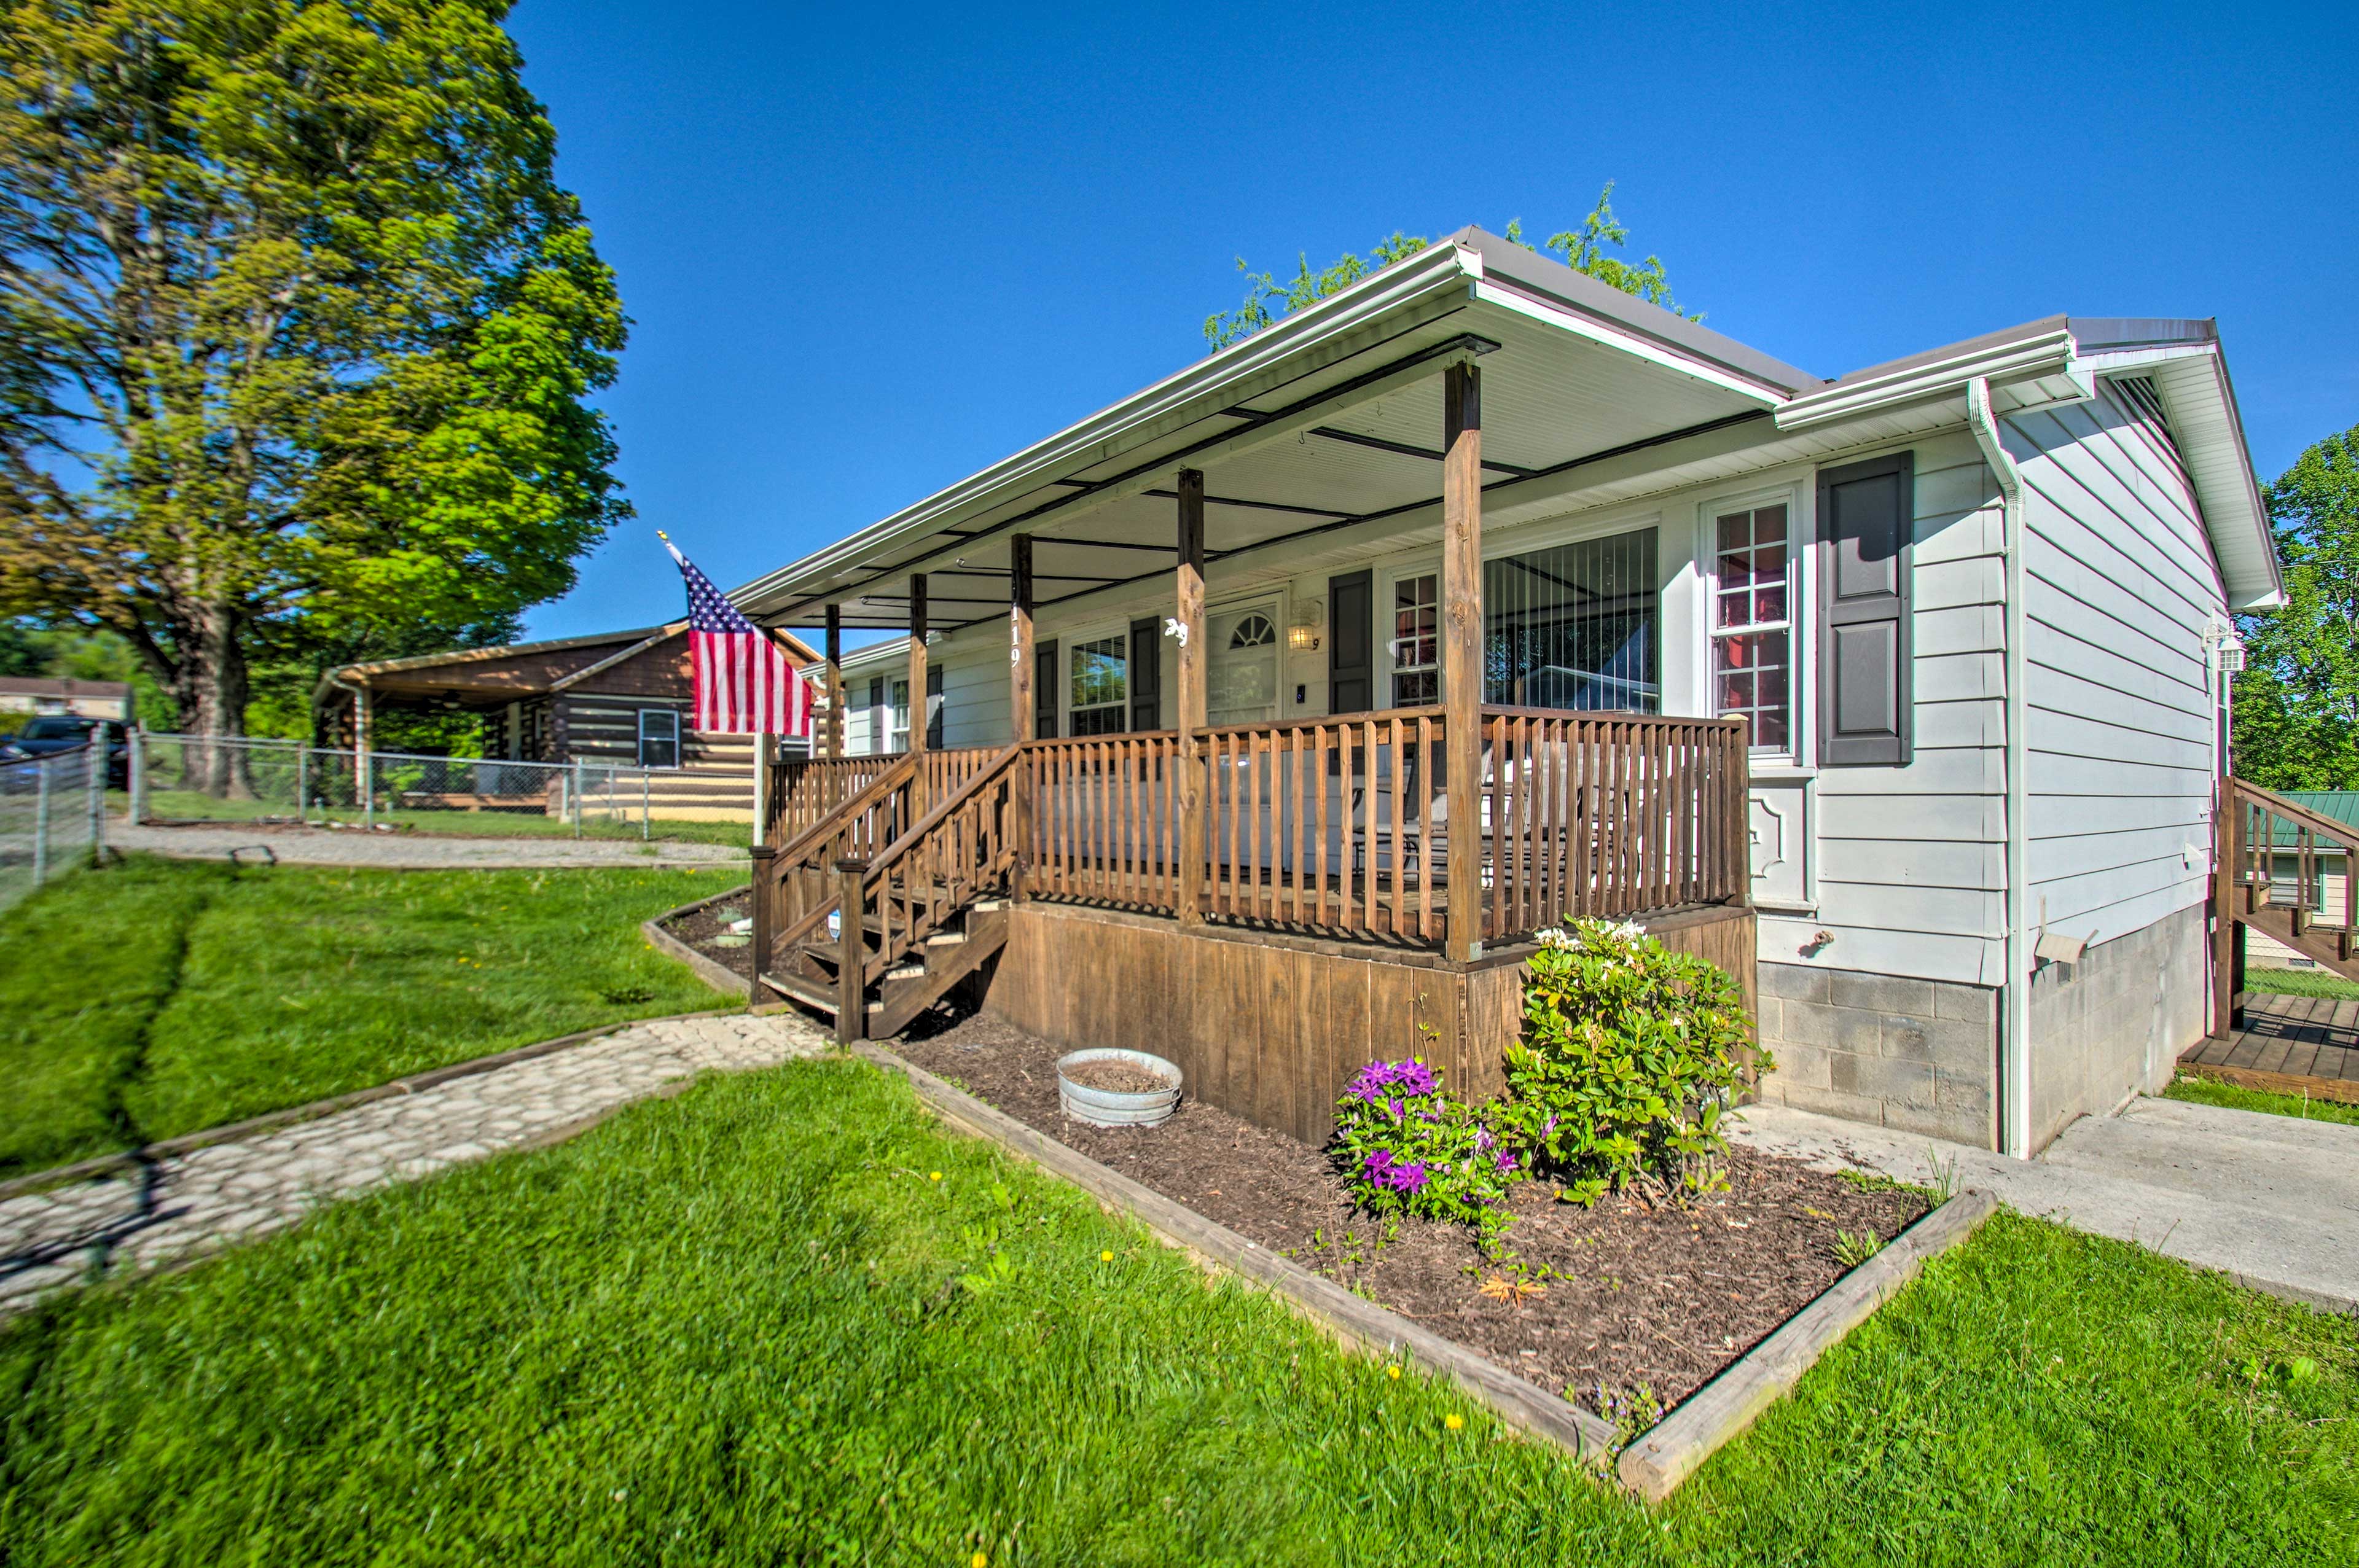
1597, 1305
1116, 1077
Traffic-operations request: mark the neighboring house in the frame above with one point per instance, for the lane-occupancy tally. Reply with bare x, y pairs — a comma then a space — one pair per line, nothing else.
876, 701
2330, 889
23, 696
1970, 609
622, 698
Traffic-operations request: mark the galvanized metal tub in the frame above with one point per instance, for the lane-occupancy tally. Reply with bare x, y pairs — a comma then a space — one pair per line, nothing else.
1110, 1107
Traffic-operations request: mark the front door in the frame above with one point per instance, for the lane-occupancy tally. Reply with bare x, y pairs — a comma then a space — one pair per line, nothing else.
1240, 676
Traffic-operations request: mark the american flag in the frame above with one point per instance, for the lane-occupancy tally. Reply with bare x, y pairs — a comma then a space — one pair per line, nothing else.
744, 683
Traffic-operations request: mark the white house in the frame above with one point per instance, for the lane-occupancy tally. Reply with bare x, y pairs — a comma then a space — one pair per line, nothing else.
1970, 605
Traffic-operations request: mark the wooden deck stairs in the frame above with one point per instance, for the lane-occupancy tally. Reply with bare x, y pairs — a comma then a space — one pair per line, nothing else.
874, 914
2285, 871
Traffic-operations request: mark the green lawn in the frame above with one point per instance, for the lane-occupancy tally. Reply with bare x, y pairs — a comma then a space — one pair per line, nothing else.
189, 805
2205, 1091
749, 1325
162, 997
2302, 982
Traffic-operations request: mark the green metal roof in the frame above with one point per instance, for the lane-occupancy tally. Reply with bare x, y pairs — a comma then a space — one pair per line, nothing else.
2341, 805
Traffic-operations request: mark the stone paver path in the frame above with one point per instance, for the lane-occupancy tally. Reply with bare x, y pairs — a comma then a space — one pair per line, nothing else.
229, 1192
334, 847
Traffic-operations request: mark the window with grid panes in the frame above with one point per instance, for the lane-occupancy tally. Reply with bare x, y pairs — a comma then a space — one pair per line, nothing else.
1752, 624
1100, 686
1417, 641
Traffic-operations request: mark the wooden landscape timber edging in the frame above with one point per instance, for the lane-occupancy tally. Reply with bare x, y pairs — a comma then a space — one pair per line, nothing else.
1654, 1464
2293, 1086
719, 975
187, 1142
1353, 1320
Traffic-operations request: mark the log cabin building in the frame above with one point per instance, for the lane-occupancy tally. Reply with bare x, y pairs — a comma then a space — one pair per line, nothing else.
623, 699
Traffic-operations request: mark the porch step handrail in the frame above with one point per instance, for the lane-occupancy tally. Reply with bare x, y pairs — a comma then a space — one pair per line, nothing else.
964, 855
802, 866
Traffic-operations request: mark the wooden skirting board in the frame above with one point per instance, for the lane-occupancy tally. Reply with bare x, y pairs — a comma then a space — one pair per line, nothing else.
1270, 1026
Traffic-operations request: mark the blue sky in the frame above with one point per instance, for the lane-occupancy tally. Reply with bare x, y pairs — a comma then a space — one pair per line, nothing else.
868, 250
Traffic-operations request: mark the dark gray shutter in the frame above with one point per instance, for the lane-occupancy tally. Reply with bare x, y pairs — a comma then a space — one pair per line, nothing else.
1044, 690
1350, 643
880, 716
1866, 513
1147, 673
934, 707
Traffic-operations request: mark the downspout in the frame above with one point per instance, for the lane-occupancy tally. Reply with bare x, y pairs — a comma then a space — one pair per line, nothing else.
2014, 995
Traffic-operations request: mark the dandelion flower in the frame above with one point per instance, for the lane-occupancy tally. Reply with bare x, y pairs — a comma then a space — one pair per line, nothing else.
1393, 1372
1454, 1420
934, 1177
1107, 1257
980, 1560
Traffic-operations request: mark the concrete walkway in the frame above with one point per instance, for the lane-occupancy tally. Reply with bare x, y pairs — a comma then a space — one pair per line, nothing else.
188, 1204
351, 847
2271, 1200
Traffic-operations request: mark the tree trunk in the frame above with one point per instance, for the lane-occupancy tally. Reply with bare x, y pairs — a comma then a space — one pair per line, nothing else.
212, 689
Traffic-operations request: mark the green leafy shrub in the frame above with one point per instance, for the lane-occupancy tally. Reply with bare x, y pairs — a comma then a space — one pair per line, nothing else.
1629, 1055
1408, 1146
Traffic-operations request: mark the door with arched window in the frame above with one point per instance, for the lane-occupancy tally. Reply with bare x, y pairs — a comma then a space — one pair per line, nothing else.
1240, 676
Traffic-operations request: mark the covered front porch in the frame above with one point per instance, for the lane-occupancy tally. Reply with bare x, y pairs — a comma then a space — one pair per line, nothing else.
1234, 660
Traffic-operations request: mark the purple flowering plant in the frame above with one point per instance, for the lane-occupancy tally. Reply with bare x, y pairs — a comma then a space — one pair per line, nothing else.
1405, 1146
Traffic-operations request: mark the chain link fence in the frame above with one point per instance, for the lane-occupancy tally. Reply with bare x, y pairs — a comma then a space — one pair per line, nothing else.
52, 818
192, 778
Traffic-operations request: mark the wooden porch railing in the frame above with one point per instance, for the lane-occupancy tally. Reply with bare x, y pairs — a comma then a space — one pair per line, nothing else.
2286, 871
1339, 825
805, 790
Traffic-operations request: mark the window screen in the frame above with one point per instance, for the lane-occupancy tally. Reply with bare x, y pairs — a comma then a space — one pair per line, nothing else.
1575, 625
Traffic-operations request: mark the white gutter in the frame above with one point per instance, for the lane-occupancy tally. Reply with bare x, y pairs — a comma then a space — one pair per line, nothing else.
2014, 995
2048, 354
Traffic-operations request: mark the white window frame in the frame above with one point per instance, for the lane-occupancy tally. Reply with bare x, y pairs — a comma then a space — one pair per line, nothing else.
669, 713
1800, 527
1069, 649
897, 714
1390, 609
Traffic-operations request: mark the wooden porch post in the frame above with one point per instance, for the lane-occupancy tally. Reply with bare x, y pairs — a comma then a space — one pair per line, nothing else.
1188, 895
1462, 654
919, 803
1019, 701
832, 745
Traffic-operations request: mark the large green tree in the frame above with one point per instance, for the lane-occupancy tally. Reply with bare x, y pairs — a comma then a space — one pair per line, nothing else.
2297, 714
1583, 249
298, 332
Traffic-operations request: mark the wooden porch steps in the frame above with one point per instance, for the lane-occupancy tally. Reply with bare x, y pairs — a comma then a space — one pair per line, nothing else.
2330, 946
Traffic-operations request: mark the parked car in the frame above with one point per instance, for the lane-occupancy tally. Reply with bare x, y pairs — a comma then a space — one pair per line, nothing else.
51, 733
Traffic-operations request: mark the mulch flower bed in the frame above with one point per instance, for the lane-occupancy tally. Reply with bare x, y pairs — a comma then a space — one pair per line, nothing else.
1620, 1307
707, 931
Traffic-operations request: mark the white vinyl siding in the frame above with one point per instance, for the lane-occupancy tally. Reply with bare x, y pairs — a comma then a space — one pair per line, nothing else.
2120, 584
1910, 861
